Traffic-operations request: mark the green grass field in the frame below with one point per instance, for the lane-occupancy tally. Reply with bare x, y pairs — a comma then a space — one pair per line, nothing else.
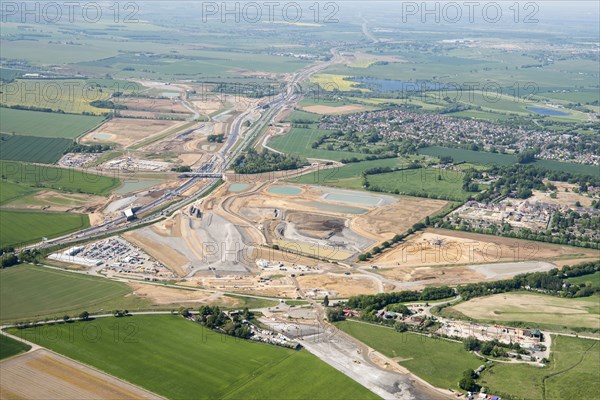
594, 279
44, 124
438, 361
299, 115
299, 140
571, 374
10, 347
23, 227
422, 182
10, 191
68, 180
179, 359
347, 176
29, 292
537, 310
44, 150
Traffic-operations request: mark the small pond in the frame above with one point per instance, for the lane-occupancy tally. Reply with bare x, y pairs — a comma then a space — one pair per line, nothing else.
548, 112
238, 187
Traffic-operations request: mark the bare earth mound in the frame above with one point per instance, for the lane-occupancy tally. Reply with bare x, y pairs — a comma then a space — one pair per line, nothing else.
386, 221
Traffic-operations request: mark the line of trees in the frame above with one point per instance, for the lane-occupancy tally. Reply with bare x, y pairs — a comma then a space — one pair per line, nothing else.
85, 148
379, 301
253, 162
550, 282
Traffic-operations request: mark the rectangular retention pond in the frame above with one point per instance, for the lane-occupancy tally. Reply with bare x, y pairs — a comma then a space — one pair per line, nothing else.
285, 190
334, 207
355, 198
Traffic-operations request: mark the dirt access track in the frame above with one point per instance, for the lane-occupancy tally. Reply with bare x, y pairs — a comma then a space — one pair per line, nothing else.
41, 374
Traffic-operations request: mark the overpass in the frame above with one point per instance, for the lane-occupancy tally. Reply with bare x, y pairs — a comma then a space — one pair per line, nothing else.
201, 175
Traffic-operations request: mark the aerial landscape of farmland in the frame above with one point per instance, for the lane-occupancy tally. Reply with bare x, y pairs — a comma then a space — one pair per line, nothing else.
299, 200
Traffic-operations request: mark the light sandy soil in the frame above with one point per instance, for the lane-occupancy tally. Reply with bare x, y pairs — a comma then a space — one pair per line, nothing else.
164, 295
263, 74
340, 286
141, 114
41, 374
439, 247
169, 256
128, 131
415, 278
563, 198
155, 105
190, 158
96, 218
277, 287
335, 110
208, 107
384, 222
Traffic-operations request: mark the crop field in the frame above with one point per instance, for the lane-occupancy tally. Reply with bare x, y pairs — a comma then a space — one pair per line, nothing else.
162, 353
336, 110
421, 182
571, 374
459, 65
44, 150
299, 140
323, 106
68, 180
69, 95
44, 124
10, 347
539, 309
438, 361
23, 227
572, 168
335, 82
41, 374
63, 292
583, 96
491, 159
